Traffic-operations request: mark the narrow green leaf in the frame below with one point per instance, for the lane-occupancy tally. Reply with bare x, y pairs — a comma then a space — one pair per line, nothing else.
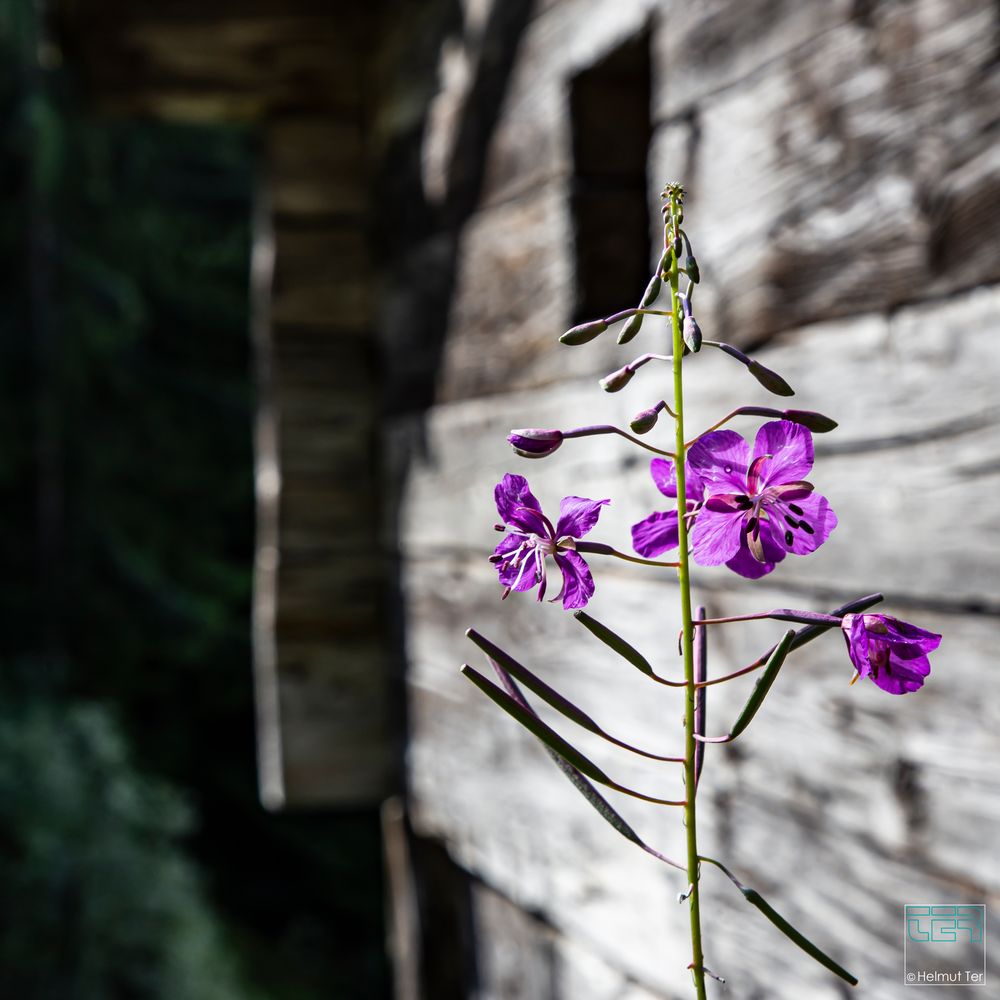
615, 642
764, 682
535, 683
524, 714
505, 664
537, 728
755, 899
604, 808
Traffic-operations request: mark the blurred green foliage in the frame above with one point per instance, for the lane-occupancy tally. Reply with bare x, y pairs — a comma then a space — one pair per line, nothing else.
126, 482
120, 913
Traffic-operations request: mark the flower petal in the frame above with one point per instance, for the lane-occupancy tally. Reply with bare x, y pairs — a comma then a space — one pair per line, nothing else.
856, 636
517, 506
715, 537
578, 584
905, 637
902, 676
720, 461
577, 516
803, 526
665, 477
746, 565
656, 534
791, 449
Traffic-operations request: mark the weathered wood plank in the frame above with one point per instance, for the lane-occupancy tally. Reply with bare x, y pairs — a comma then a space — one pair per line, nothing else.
843, 178
845, 165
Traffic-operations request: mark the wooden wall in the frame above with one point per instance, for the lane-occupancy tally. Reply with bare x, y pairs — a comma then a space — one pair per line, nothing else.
843, 180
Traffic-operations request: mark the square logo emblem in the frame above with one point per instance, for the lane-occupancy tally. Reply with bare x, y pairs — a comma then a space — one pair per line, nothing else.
944, 944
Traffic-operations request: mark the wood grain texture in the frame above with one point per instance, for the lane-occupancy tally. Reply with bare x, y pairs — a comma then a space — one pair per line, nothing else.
844, 162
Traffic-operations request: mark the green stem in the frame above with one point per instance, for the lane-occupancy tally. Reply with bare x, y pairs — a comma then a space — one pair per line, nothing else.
684, 580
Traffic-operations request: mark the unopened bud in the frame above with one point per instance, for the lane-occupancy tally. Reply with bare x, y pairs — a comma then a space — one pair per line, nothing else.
677, 246
818, 423
691, 266
617, 380
664, 265
583, 333
770, 380
652, 291
535, 442
691, 333
644, 422
630, 329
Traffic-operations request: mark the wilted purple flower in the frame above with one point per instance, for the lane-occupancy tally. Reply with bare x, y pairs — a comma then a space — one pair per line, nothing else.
758, 505
658, 532
893, 653
520, 557
535, 442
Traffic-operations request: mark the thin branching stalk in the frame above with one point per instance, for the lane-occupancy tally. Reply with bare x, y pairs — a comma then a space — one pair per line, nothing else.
687, 640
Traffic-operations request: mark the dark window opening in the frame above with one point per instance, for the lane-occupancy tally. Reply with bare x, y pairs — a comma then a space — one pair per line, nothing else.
610, 111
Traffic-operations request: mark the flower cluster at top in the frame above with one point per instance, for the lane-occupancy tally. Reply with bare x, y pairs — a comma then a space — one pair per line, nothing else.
750, 507
745, 506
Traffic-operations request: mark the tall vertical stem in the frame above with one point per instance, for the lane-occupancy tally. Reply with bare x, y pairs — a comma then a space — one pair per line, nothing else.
684, 580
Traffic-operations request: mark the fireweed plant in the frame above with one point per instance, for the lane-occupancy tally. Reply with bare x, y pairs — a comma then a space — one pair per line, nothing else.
744, 505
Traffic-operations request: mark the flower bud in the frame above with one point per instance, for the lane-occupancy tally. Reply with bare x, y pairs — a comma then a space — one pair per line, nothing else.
617, 380
535, 442
664, 265
644, 422
630, 329
583, 333
691, 333
770, 380
691, 266
652, 291
816, 422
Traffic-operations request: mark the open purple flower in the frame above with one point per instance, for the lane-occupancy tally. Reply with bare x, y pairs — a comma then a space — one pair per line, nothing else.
893, 653
759, 506
520, 556
658, 532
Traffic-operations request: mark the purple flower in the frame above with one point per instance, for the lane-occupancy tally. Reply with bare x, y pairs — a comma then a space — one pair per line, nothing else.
658, 532
758, 505
520, 557
891, 652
